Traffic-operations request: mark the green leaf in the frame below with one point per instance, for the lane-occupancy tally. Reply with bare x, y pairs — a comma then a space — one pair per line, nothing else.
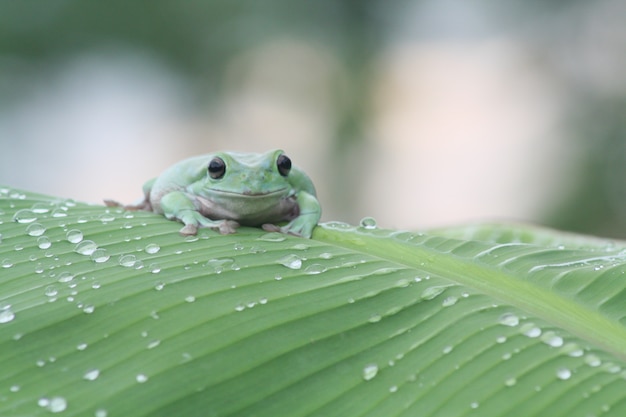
112, 313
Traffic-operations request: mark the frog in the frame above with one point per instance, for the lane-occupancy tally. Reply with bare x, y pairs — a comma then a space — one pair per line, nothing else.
225, 190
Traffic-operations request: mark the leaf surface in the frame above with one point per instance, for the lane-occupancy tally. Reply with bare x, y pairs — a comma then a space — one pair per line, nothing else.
485, 320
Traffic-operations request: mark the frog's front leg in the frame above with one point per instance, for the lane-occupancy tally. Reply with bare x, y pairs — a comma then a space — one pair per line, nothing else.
303, 225
177, 205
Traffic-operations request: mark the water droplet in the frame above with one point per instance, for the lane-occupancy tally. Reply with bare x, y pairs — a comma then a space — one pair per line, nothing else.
449, 301
86, 247
190, 298
65, 277
74, 236
240, 307
447, 349
59, 212
510, 382
106, 217
219, 265
95, 285
24, 216
81, 346
291, 261
101, 412
154, 344
500, 339
141, 378
509, 319
54, 404
51, 291
35, 229
530, 330
393, 388
336, 225
551, 339
7, 263
431, 292
563, 373
100, 255
14, 388
474, 405
375, 318
43, 242
325, 255
6, 314
128, 260
368, 223
272, 237
159, 286
92, 375
314, 269
40, 208
370, 371
152, 248
592, 360
88, 309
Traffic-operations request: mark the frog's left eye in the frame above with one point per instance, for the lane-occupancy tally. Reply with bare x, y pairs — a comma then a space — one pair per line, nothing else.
217, 168
284, 165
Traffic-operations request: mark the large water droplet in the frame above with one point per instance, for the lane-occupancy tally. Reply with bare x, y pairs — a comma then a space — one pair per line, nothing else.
368, 223
6, 314
141, 378
291, 261
92, 375
86, 247
43, 242
563, 373
152, 248
592, 360
35, 229
272, 237
370, 371
24, 216
509, 319
431, 292
100, 255
74, 236
128, 260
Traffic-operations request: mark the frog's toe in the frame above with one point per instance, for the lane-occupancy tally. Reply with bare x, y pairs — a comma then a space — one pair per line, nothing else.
189, 230
227, 227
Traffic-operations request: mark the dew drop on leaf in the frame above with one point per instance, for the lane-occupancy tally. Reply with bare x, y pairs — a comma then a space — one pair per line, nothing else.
92, 375
314, 269
74, 236
24, 216
6, 314
509, 319
101, 412
86, 247
563, 373
368, 223
35, 229
7, 263
56, 404
152, 248
449, 301
141, 378
43, 242
370, 371
100, 255
272, 237
431, 292
291, 261
128, 261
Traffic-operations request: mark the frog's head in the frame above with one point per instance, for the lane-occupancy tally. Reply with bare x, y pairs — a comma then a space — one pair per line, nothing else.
248, 175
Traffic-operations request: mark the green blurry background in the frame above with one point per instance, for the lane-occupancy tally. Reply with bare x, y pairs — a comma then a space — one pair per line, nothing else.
418, 113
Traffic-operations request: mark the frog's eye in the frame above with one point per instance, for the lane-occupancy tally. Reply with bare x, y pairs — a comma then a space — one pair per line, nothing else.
217, 168
284, 165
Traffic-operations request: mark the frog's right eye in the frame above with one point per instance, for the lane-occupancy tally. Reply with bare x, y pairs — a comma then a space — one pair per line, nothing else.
217, 168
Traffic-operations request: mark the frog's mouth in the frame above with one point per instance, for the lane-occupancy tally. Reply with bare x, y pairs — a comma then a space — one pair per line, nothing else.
252, 194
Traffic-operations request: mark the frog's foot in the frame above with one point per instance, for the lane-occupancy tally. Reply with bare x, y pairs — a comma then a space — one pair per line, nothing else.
193, 220
297, 227
144, 205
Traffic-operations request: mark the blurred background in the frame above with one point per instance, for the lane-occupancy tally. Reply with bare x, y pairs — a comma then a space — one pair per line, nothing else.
420, 113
